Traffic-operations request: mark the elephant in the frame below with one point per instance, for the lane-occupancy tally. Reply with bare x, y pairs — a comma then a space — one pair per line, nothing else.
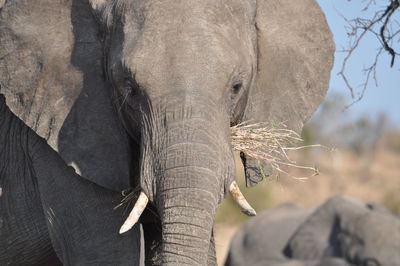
48, 209
342, 231
141, 95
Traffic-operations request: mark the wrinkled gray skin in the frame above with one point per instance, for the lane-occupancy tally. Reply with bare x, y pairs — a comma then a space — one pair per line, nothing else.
47, 209
347, 228
342, 231
176, 75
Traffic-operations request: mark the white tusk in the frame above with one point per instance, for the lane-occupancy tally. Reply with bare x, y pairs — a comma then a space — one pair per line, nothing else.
134, 216
240, 200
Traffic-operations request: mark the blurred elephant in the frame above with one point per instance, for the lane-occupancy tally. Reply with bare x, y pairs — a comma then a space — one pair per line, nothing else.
342, 231
144, 95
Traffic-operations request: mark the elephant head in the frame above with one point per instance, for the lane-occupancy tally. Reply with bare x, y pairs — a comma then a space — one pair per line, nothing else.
180, 73
349, 229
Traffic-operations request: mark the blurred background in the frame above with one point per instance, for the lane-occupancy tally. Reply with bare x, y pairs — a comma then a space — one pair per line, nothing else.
358, 123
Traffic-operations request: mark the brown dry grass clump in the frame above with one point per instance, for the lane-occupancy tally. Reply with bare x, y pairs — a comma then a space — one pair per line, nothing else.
270, 143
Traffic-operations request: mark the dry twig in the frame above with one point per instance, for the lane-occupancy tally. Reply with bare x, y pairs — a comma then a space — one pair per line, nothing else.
269, 143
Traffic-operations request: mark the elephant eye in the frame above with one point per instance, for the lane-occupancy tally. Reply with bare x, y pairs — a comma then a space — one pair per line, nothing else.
237, 87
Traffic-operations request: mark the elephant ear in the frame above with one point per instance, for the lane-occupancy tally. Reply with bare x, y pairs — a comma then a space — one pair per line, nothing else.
295, 56
51, 74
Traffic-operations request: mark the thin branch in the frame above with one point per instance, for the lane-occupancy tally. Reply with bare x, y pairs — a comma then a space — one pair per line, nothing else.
358, 29
388, 13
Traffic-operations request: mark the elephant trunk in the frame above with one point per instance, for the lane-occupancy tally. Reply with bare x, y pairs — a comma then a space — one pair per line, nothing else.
187, 221
193, 168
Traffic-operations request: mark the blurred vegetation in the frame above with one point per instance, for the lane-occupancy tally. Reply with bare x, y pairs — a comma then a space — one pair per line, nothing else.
392, 200
392, 140
334, 126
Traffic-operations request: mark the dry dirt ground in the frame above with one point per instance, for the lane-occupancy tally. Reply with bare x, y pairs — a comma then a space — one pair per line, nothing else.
373, 177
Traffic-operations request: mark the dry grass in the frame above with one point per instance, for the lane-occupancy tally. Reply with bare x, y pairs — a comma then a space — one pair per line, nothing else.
130, 196
269, 144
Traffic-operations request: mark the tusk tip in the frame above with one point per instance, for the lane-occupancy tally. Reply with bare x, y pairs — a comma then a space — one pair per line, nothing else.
251, 212
124, 228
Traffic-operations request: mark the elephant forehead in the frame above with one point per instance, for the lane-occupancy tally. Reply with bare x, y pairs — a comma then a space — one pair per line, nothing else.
187, 28
188, 54
181, 58
203, 19
218, 12
182, 62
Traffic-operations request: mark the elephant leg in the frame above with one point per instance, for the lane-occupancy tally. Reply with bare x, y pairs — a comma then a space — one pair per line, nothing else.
24, 239
80, 215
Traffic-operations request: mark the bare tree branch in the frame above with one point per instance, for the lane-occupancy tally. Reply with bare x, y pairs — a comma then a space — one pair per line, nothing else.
386, 16
385, 28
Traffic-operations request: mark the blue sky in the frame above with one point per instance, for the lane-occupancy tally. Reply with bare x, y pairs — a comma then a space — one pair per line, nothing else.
384, 98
